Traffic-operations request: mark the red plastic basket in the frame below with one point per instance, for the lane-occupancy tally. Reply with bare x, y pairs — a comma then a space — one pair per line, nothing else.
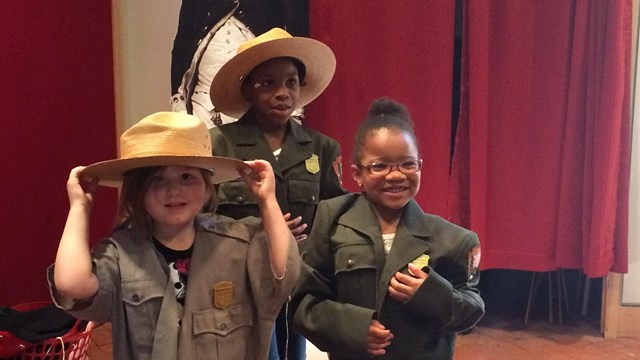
73, 345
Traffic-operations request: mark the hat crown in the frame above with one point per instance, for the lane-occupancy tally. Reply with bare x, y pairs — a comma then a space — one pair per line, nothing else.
273, 34
319, 61
166, 134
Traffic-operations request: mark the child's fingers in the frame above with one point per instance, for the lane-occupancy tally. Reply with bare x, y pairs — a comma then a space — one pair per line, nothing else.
378, 339
89, 185
399, 291
295, 226
377, 332
417, 272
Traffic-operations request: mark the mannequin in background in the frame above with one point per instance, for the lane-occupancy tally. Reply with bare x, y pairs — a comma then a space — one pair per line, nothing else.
209, 32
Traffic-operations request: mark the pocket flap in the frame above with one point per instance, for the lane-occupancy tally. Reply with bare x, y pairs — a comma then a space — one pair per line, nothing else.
139, 291
303, 191
354, 257
222, 322
234, 192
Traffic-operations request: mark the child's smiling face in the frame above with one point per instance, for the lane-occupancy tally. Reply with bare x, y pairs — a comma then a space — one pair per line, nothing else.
389, 192
273, 89
175, 196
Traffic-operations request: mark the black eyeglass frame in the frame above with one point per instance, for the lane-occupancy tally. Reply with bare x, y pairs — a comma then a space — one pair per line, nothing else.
389, 167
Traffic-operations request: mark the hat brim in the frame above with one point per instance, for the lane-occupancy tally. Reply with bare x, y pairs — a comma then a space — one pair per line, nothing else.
319, 61
109, 173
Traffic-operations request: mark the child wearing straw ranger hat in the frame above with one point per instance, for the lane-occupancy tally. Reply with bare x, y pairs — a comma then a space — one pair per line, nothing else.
262, 84
175, 282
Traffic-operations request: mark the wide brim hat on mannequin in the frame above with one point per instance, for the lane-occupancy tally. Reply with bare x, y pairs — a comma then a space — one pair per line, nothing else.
318, 59
165, 139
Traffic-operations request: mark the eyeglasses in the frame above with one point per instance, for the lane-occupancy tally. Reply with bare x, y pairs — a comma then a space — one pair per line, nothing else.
406, 167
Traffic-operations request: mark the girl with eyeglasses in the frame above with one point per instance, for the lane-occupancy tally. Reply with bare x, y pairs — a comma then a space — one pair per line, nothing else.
380, 277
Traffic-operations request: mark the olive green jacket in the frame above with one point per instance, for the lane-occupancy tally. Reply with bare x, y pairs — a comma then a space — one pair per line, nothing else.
345, 277
308, 169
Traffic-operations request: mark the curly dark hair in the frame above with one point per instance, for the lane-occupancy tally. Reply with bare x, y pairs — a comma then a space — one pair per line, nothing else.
383, 113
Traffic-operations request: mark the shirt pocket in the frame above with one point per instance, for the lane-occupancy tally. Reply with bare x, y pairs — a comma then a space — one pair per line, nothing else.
142, 301
234, 193
355, 272
224, 332
304, 191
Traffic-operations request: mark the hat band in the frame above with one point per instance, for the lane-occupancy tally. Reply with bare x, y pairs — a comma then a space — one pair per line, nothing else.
154, 145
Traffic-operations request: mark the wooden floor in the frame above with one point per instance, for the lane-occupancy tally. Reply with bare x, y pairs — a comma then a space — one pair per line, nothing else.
578, 339
499, 338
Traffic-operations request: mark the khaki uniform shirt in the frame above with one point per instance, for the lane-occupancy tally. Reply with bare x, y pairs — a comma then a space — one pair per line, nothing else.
231, 302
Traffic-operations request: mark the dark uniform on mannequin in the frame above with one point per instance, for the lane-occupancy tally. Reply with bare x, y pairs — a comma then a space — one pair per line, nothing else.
200, 19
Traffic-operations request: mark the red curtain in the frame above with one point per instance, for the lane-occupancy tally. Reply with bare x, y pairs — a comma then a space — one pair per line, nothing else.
541, 164
58, 112
382, 49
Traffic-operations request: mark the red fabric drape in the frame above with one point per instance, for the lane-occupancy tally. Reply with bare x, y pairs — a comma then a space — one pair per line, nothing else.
404, 52
541, 168
58, 112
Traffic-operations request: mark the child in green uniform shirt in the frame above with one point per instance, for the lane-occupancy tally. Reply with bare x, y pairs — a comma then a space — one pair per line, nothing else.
270, 77
380, 277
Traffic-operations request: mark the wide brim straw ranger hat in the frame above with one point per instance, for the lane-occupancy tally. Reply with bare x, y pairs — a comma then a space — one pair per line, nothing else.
165, 139
318, 59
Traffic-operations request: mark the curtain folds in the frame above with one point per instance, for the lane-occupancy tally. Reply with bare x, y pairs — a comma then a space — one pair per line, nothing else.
541, 162
385, 49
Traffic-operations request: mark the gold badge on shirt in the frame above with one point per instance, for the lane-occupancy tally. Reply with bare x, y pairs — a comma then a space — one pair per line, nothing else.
420, 262
222, 294
312, 164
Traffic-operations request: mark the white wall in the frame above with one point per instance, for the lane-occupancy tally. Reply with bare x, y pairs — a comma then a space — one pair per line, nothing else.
143, 37
631, 281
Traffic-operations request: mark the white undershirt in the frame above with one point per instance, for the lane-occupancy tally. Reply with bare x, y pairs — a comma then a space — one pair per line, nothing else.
388, 241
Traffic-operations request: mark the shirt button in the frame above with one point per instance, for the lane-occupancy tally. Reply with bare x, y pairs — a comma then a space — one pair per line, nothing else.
349, 264
135, 297
313, 198
222, 326
240, 199
241, 14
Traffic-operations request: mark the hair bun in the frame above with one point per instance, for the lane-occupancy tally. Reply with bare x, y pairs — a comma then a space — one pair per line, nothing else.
387, 107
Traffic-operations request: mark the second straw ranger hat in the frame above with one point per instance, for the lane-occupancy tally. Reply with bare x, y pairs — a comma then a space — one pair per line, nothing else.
165, 139
319, 61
